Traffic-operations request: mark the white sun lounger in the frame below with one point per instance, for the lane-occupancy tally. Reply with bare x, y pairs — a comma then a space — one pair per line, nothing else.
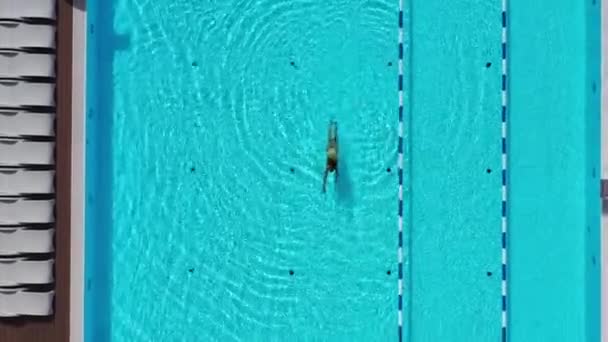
15, 211
17, 152
18, 302
20, 181
17, 35
14, 241
27, 8
14, 93
20, 63
15, 123
20, 271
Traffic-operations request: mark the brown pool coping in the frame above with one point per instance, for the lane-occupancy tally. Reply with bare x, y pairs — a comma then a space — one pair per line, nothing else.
56, 328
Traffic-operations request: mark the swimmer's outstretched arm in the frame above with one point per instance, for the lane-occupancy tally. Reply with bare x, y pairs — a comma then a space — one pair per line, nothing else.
332, 132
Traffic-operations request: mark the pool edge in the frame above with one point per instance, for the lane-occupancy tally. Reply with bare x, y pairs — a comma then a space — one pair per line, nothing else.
78, 171
604, 171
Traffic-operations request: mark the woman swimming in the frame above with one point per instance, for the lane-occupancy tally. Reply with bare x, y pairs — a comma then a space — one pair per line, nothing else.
332, 152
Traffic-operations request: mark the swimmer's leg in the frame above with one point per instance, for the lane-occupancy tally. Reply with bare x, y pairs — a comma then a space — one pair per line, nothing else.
325, 179
336, 174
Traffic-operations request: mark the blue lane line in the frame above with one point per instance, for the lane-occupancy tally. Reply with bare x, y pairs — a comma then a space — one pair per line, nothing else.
400, 171
504, 173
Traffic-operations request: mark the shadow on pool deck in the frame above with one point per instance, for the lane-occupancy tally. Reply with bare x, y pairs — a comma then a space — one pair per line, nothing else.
104, 42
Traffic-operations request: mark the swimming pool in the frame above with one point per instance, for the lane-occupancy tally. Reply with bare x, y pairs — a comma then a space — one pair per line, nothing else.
206, 129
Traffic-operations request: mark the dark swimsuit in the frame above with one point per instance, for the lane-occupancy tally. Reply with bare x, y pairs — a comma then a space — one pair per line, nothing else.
331, 164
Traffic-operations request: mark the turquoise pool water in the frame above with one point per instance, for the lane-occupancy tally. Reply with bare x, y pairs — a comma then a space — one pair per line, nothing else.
205, 120
555, 253
206, 129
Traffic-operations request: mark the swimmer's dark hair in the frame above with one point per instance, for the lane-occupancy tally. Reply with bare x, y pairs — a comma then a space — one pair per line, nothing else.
331, 152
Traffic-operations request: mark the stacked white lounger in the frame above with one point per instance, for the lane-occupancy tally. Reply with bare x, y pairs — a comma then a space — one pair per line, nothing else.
27, 158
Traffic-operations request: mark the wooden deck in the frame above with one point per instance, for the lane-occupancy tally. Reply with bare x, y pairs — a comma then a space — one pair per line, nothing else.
57, 327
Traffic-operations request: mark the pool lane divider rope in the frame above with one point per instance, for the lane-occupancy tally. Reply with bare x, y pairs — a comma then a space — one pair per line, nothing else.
400, 172
504, 174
